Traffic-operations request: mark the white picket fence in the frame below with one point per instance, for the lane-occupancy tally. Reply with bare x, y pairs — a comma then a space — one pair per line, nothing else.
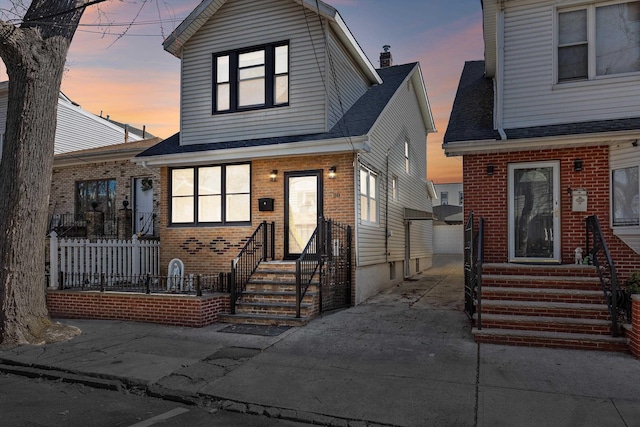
80, 259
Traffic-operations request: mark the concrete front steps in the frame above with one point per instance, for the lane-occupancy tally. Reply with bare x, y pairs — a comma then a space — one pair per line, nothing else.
559, 306
270, 298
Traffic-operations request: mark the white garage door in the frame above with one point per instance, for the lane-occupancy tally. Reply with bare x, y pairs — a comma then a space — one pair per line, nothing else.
448, 239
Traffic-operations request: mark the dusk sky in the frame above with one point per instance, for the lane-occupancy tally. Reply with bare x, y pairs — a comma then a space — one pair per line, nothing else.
132, 79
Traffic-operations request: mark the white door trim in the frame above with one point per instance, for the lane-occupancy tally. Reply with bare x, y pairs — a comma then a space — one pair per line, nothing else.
512, 167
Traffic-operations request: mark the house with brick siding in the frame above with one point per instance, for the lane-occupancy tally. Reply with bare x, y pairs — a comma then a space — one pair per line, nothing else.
126, 195
548, 126
285, 120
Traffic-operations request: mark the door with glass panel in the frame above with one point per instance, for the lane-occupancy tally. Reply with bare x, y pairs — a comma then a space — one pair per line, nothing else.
303, 195
534, 212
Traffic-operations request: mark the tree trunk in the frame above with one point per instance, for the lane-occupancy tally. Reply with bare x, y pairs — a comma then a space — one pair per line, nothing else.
34, 55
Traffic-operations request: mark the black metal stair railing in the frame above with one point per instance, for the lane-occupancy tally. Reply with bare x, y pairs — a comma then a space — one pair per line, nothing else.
308, 264
473, 260
260, 247
601, 258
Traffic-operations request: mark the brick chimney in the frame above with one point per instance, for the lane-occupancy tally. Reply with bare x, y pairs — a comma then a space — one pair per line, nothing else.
386, 60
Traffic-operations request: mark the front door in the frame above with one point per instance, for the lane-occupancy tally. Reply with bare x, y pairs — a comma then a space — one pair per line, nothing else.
143, 206
534, 212
303, 195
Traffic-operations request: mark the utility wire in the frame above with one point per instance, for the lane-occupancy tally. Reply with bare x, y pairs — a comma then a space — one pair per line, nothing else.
64, 12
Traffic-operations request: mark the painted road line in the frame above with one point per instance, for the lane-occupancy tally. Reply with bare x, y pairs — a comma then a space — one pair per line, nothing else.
162, 417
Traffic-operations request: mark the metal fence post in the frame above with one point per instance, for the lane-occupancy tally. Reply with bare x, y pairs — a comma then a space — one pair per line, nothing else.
265, 240
102, 281
199, 285
232, 286
147, 284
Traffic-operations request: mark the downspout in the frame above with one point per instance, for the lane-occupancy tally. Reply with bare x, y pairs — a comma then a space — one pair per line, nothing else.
499, 80
386, 214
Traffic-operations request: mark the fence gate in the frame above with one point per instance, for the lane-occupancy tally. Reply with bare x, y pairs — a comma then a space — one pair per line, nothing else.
469, 269
335, 280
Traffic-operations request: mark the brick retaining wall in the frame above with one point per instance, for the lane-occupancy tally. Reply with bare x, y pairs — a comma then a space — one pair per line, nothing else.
179, 310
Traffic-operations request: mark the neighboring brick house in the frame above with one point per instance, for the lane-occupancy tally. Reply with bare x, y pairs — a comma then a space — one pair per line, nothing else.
106, 176
572, 126
279, 102
548, 127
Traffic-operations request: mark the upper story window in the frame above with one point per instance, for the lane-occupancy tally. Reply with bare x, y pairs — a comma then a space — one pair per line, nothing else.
444, 197
394, 188
598, 41
626, 196
406, 156
211, 195
251, 78
368, 195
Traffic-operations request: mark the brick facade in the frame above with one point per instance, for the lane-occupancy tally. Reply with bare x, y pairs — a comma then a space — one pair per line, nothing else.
634, 333
486, 195
164, 309
63, 184
209, 250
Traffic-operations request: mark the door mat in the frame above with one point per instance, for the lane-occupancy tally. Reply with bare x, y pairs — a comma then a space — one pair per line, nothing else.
262, 330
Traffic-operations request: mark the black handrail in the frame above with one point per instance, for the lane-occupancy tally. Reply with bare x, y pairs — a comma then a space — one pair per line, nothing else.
308, 264
601, 259
473, 260
479, 262
260, 247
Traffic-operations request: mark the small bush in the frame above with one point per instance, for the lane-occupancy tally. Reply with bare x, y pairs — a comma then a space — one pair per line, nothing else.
633, 283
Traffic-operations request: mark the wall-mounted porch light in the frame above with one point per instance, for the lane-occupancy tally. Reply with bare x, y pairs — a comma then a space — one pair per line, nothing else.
577, 165
332, 172
273, 175
490, 169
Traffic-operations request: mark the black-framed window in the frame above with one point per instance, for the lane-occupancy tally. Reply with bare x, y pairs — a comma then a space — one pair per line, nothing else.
101, 192
252, 78
211, 195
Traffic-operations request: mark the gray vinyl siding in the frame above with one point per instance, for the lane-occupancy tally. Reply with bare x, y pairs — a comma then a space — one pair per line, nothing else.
240, 24
401, 119
76, 129
530, 96
348, 85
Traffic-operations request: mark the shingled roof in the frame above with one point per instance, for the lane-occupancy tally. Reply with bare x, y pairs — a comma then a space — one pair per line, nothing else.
358, 121
472, 115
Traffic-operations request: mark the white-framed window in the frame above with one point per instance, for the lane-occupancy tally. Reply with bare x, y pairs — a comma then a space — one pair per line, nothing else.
211, 195
252, 78
394, 188
406, 156
625, 203
368, 196
444, 197
598, 40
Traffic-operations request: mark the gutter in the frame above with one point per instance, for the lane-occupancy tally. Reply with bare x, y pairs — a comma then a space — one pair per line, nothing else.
461, 148
301, 148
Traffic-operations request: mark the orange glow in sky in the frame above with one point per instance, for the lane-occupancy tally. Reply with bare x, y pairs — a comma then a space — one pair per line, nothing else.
134, 81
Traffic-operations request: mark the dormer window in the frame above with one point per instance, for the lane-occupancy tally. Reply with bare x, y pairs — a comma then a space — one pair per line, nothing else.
252, 78
595, 41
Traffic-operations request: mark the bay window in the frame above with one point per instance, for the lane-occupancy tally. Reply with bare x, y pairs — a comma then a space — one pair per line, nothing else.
252, 78
211, 195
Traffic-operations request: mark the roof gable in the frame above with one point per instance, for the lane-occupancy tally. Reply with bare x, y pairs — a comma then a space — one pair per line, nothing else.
357, 122
205, 10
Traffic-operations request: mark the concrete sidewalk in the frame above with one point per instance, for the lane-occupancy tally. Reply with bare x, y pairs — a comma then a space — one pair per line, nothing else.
404, 358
